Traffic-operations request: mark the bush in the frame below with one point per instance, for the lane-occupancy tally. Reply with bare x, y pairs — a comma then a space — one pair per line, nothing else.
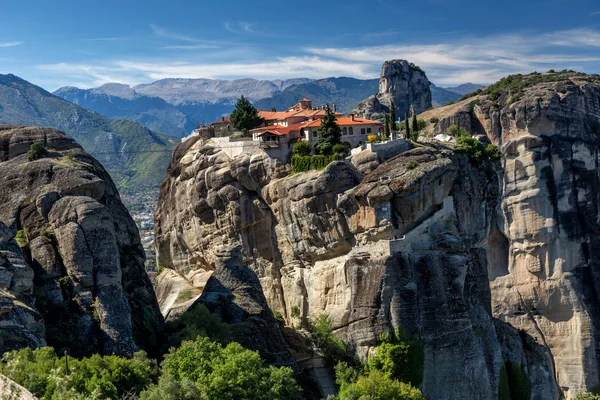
456, 131
197, 321
587, 396
411, 164
377, 386
472, 147
399, 357
492, 152
321, 334
224, 373
434, 120
302, 148
339, 149
22, 238
318, 162
109, 377
371, 138
36, 151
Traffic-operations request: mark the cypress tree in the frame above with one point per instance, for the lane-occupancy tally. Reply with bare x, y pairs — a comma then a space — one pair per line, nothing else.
393, 125
386, 127
415, 124
329, 133
407, 126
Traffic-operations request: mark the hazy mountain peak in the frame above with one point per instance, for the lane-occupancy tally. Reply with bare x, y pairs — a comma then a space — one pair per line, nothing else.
116, 89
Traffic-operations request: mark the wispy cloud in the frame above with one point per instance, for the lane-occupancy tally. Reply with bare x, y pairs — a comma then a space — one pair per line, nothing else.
190, 47
162, 32
239, 27
450, 61
596, 12
104, 39
10, 44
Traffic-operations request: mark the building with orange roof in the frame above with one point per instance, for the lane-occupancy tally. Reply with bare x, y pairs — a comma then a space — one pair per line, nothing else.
354, 130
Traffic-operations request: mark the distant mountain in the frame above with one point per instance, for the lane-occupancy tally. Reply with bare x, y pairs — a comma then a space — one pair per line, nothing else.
441, 97
465, 88
121, 102
346, 93
197, 91
135, 157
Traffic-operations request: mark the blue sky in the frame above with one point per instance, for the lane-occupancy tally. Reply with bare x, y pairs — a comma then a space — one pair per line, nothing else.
87, 43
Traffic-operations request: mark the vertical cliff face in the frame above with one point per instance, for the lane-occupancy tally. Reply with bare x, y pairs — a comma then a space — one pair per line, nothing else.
71, 261
319, 242
543, 264
402, 83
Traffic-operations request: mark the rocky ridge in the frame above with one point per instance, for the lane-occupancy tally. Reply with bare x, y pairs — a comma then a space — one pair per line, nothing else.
71, 263
402, 83
318, 242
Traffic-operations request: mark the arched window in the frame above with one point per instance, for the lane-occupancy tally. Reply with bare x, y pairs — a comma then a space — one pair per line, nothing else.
350, 131
344, 131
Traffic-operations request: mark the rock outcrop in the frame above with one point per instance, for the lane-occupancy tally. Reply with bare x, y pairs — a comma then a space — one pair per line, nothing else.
71, 263
401, 83
543, 263
320, 242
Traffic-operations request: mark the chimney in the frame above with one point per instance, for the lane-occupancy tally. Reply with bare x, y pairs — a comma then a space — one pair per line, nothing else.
334, 107
352, 116
223, 119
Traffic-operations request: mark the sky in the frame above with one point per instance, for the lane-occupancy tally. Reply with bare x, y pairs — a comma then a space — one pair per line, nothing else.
87, 43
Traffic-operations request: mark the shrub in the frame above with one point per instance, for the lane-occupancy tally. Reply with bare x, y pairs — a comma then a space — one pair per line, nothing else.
411, 164
399, 357
108, 377
36, 151
22, 238
518, 382
300, 163
456, 131
371, 138
587, 396
434, 120
339, 149
321, 334
295, 312
472, 147
377, 386
197, 321
318, 162
302, 148
230, 372
492, 152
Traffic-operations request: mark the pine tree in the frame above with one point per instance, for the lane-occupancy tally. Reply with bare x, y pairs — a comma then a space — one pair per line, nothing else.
329, 133
393, 125
245, 116
406, 126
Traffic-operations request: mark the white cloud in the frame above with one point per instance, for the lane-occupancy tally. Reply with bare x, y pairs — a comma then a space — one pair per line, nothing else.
240, 27
10, 44
467, 59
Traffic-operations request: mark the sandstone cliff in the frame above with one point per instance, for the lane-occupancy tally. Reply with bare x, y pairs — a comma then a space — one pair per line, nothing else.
318, 242
543, 251
71, 263
402, 83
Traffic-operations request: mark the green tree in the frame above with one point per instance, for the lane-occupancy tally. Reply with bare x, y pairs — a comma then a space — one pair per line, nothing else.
378, 386
302, 148
415, 125
245, 116
386, 127
393, 125
407, 126
587, 396
228, 373
36, 150
329, 133
321, 334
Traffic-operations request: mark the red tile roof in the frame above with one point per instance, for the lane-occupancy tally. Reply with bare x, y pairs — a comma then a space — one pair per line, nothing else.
224, 120
278, 130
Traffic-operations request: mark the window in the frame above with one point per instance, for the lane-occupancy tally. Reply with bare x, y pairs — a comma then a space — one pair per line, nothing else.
362, 131
344, 131
314, 133
350, 131
368, 130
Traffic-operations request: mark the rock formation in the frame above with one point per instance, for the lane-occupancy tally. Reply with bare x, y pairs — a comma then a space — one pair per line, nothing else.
71, 263
319, 242
402, 83
543, 264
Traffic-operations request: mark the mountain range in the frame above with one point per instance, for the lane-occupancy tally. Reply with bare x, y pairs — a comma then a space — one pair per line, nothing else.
176, 106
134, 156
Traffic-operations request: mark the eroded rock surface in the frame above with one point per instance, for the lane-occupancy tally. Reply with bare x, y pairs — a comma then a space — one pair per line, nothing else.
402, 83
319, 242
543, 251
72, 266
